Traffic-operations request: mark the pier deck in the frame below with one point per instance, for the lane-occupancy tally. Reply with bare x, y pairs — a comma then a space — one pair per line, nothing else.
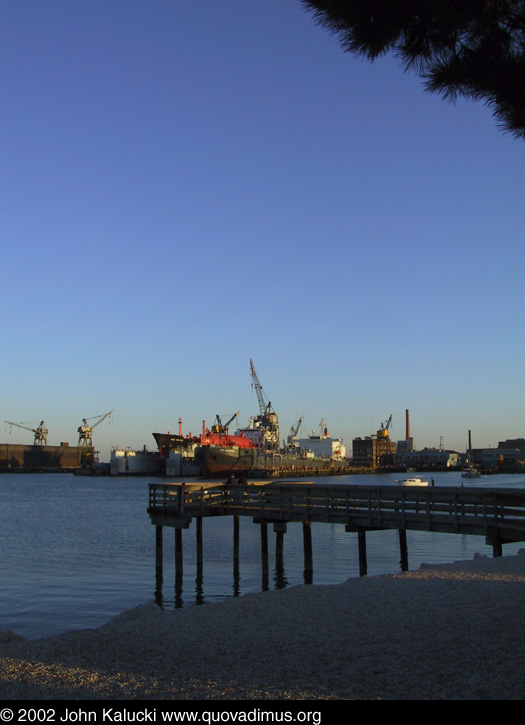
497, 514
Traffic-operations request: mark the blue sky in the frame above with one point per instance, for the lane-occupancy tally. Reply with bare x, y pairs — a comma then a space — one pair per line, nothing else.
188, 186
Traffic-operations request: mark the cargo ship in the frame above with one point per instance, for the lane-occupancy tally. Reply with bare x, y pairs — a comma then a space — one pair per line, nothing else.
255, 462
263, 457
179, 454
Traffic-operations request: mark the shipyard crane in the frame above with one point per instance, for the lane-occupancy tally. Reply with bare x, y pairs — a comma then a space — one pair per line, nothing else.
267, 420
383, 431
264, 407
40, 432
85, 431
221, 427
292, 435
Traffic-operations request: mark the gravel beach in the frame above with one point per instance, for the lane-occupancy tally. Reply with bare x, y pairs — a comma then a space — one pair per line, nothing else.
442, 632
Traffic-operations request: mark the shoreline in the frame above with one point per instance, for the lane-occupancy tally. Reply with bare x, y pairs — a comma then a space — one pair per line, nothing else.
451, 631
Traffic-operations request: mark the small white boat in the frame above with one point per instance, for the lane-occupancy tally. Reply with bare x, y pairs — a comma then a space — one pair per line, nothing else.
416, 481
471, 473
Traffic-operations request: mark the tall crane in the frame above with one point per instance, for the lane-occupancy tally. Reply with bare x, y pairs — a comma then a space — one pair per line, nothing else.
40, 432
221, 427
292, 435
267, 420
85, 431
264, 407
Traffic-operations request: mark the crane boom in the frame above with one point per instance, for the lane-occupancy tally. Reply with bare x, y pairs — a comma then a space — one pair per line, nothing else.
41, 432
263, 407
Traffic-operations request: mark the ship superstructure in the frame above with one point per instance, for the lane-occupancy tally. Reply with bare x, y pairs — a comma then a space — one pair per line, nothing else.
322, 444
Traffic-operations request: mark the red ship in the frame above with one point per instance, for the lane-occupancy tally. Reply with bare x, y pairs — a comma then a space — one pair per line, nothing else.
216, 436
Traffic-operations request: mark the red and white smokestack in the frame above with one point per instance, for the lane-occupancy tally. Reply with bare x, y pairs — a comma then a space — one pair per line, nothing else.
407, 437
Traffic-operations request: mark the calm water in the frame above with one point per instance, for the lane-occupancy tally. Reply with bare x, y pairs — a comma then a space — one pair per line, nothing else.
76, 551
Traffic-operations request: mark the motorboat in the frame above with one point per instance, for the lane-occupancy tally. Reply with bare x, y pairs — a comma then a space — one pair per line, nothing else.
471, 473
416, 481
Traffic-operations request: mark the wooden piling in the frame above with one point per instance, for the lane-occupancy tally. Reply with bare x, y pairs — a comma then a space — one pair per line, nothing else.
307, 547
280, 530
158, 565
361, 545
236, 539
497, 548
264, 551
158, 550
178, 551
199, 541
403, 548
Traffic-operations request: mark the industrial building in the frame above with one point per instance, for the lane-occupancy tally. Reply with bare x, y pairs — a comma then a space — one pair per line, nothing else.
376, 451
508, 456
428, 458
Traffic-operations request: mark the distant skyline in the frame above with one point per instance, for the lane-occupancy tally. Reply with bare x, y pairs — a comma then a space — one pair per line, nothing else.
187, 186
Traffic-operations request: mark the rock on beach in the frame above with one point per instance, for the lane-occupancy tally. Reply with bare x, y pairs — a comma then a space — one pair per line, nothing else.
452, 632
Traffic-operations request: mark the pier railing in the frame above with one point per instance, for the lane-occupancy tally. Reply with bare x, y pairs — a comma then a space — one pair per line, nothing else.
497, 514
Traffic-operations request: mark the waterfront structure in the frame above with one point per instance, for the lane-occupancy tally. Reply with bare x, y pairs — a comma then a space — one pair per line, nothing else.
498, 458
496, 514
513, 444
428, 458
373, 452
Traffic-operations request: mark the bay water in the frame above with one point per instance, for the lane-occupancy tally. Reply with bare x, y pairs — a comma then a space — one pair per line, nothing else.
76, 551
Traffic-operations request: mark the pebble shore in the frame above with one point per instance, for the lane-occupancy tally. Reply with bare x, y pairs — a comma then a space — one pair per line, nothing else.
451, 632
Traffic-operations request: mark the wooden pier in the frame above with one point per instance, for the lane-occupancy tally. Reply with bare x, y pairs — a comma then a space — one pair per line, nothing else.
496, 514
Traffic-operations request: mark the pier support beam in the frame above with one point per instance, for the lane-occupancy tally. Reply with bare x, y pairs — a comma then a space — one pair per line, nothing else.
198, 521
308, 558
280, 529
497, 548
264, 555
158, 565
361, 545
236, 539
158, 550
178, 552
403, 548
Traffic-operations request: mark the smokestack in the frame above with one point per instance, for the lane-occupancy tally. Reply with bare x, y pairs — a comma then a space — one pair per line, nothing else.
407, 435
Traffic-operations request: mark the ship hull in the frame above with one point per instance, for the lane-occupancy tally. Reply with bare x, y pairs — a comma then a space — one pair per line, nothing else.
136, 463
224, 461
25, 459
170, 442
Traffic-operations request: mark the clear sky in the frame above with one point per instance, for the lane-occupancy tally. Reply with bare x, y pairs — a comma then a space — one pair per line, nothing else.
185, 186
